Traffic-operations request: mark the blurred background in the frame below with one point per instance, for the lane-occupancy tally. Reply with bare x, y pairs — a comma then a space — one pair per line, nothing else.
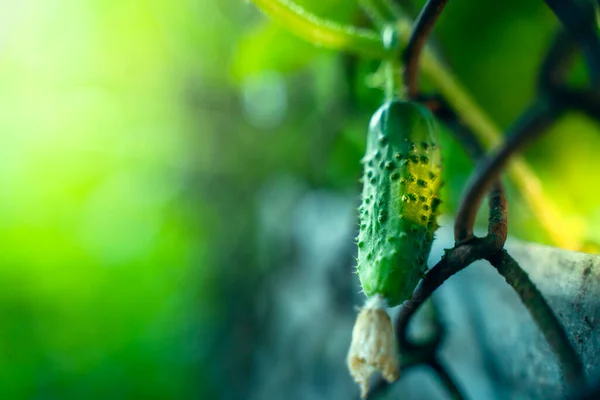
178, 185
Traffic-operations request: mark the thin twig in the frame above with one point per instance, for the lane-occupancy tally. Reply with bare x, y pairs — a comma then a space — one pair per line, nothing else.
416, 355
369, 44
579, 18
498, 218
553, 77
558, 60
524, 179
446, 379
453, 261
532, 123
542, 314
420, 32
425, 354
586, 101
468, 248
459, 258
498, 224
422, 354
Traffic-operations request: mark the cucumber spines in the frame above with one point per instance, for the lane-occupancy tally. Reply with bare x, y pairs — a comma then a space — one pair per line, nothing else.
400, 198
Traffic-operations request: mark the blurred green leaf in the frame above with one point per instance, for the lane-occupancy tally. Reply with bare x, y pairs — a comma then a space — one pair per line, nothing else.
271, 48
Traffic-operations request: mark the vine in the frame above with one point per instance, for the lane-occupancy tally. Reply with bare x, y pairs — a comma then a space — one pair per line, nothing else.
453, 106
367, 43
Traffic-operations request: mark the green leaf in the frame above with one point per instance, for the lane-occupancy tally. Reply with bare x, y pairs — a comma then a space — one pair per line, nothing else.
271, 48
323, 31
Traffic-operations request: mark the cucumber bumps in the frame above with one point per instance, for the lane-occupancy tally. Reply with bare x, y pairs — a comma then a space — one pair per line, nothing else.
399, 200
397, 221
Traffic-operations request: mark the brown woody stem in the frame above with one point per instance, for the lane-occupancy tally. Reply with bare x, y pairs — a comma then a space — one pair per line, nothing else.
420, 32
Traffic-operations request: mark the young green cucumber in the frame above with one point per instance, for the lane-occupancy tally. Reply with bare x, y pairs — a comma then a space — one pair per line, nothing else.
399, 200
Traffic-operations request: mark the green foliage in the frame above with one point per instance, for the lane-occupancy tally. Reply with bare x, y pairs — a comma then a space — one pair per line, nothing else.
272, 47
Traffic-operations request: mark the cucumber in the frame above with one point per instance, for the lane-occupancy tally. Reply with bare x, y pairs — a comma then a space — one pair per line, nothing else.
400, 199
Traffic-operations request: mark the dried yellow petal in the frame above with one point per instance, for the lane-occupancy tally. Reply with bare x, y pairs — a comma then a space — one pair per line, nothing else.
373, 345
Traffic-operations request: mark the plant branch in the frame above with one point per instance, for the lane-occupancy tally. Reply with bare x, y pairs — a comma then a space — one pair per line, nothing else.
586, 101
498, 224
463, 255
469, 249
424, 353
446, 380
579, 18
553, 77
557, 62
459, 258
420, 32
455, 260
566, 234
417, 355
542, 314
498, 218
533, 122
369, 44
